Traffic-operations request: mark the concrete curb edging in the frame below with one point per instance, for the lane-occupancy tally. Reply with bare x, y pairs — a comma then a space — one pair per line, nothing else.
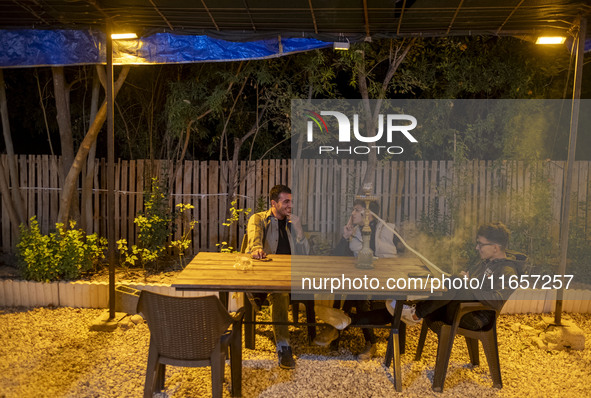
84, 294
80, 294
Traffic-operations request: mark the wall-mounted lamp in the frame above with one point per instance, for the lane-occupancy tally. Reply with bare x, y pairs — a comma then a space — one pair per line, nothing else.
123, 36
551, 40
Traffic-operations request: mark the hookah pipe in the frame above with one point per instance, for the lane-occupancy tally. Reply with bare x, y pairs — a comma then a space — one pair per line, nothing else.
432, 267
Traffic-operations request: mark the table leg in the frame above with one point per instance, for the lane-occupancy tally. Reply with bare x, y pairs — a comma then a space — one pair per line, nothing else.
224, 298
393, 348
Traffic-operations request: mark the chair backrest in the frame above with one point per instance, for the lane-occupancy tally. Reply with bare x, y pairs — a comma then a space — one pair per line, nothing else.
184, 328
522, 264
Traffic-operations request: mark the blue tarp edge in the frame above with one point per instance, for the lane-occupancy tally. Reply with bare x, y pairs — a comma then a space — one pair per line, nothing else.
31, 47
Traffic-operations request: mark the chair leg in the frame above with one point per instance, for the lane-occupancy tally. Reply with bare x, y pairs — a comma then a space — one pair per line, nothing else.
472, 345
310, 318
295, 311
446, 341
217, 361
402, 337
422, 338
491, 350
236, 362
160, 375
151, 370
249, 326
389, 349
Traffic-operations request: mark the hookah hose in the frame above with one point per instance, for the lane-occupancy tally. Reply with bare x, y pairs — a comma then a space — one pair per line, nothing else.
432, 267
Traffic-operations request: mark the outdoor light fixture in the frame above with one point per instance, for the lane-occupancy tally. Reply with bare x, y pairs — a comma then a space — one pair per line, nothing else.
551, 40
341, 45
123, 36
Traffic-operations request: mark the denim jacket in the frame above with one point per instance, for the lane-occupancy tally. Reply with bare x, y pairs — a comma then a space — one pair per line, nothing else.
263, 232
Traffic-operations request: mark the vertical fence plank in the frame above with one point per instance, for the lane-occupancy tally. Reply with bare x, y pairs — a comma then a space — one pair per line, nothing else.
213, 210
39, 188
96, 193
177, 197
46, 186
124, 195
131, 200
187, 197
54, 192
140, 188
27, 180
203, 207
195, 201
118, 215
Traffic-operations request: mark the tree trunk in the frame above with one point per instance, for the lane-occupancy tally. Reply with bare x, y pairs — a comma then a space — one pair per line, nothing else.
372, 115
87, 182
12, 200
61, 91
70, 183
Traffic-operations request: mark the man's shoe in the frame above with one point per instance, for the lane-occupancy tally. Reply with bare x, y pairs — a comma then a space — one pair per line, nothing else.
327, 336
286, 360
335, 317
408, 315
368, 352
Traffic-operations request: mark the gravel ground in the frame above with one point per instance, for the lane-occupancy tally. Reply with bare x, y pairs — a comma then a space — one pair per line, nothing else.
50, 352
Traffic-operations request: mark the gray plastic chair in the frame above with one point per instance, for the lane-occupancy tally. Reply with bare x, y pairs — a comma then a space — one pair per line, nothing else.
446, 334
191, 332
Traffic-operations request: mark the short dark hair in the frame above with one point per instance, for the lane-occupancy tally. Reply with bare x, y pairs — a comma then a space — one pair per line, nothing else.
495, 232
277, 190
373, 205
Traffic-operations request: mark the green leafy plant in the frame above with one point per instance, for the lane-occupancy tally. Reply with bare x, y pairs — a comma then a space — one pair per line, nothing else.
224, 248
183, 243
127, 256
237, 216
154, 223
63, 254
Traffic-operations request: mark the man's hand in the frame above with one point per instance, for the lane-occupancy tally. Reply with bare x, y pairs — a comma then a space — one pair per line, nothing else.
296, 224
348, 229
463, 273
258, 254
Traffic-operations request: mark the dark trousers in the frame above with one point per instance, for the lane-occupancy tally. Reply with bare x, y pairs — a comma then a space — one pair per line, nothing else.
445, 310
379, 316
442, 310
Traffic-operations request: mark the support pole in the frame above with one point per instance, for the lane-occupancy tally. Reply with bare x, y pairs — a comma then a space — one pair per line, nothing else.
568, 172
110, 174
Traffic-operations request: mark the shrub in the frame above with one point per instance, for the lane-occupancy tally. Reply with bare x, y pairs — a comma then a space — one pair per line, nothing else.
63, 254
154, 223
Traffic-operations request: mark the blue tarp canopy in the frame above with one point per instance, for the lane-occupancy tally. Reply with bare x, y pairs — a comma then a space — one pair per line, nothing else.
30, 47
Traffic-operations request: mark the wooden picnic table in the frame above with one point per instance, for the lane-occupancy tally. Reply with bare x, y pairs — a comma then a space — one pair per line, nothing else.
285, 274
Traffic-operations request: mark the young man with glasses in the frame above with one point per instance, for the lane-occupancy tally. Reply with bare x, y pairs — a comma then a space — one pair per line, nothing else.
491, 244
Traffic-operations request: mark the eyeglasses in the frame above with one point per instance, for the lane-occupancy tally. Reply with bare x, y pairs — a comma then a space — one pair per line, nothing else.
480, 244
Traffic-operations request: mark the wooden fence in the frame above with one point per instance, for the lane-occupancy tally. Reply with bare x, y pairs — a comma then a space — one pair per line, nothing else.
408, 192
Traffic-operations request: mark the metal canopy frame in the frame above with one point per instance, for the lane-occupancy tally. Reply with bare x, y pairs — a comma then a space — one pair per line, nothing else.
247, 20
